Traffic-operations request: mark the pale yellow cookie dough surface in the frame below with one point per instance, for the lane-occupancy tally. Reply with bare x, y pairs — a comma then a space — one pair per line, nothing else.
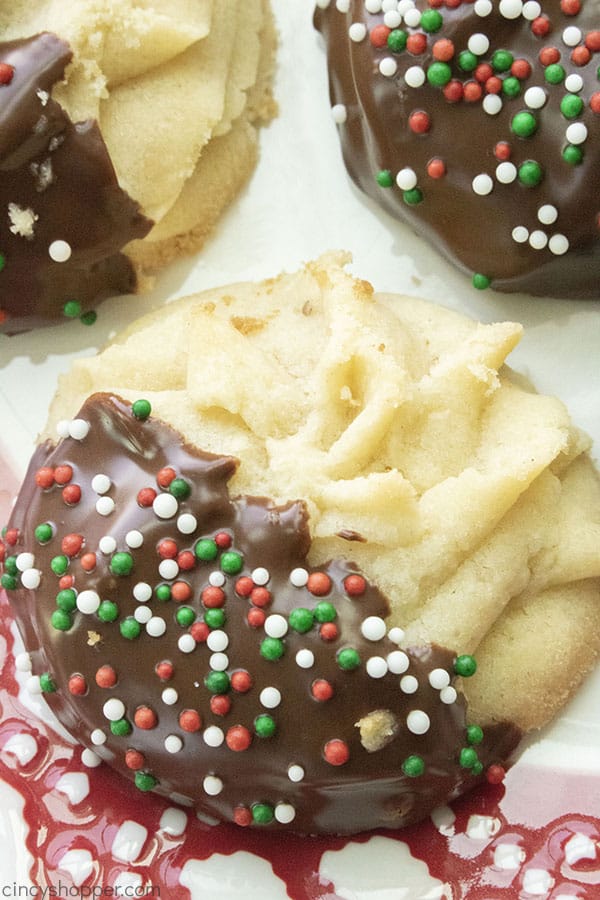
468, 498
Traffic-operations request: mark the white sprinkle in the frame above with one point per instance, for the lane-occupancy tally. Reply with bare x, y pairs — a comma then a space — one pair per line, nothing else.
88, 602
107, 544
165, 506
406, 179
576, 133
260, 576
482, 8
276, 626
187, 523
531, 10
285, 813
31, 578
398, 662
357, 32
298, 577
101, 483
403, 6
217, 640
388, 66
396, 635
33, 685
156, 626
339, 113
105, 506
79, 429
305, 659
574, 83
219, 662
59, 251
448, 695
418, 722
62, 428
392, 18
373, 628
478, 44
373, 6
142, 592
295, 773
482, 184
217, 578
409, 684
186, 643
212, 785
98, 737
571, 36
520, 234
213, 736
270, 697
90, 759
538, 239
169, 696
558, 244
114, 709
142, 614
535, 97
439, 678
412, 17
415, 76
511, 9
547, 214
173, 743
323, 4
342, 5
23, 662
492, 104
376, 667
24, 561
506, 172
168, 568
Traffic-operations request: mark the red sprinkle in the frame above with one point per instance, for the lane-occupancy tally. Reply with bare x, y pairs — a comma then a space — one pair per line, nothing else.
213, 597
223, 540
260, 596
336, 752
241, 681
6, 73
238, 738
63, 474
416, 43
322, 690
77, 685
495, 774
146, 497
541, 26
502, 150
443, 50
165, 476
181, 591
379, 35
71, 494
453, 91
106, 677
328, 631
167, 549
44, 477
12, 536
580, 56
220, 704
164, 670
436, 168
145, 718
592, 41
355, 585
66, 581
256, 617
88, 562
493, 85
472, 91
595, 103
570, 7
520, 69
71, 544
190, 721
319, 584
200, 632
186, 560
134, 759
244, 586
482, 72
242, 816
549, 55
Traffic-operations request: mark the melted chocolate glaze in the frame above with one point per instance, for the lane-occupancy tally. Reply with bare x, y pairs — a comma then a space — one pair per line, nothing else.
61, 172
211, 770
475, 231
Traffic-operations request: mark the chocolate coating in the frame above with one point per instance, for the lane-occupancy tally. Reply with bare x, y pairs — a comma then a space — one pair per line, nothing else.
470, 107
57, 184
230, 767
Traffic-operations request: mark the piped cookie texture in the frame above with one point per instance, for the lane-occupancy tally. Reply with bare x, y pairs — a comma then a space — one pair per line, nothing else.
93, 98
318, 577
478, 124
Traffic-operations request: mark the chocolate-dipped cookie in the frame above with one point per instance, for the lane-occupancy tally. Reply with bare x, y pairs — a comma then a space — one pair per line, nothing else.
478, 124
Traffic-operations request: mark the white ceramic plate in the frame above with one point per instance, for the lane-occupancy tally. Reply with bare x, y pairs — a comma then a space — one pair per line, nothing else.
539, 835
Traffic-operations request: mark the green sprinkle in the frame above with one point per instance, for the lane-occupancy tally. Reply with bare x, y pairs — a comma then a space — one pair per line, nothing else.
477, 769
61, 620
215, 618
468, 757
554, 73
413, 766
108, 611
59, 565
572, 155
262, 814
384, 178
130, 628
502, 60
10, 565
72, 309
465, 665
480, 281
348, 659
232, 563
301, 620
530, 173
272, 648
413, 197
325, 612
218, 682
180, 488
185, 615
8, 582
162, 592
571, 106
265, 726
474, 734
141, 409
431, 21
47, 683
511, 86
121, 728
524, 124
43, 533
439, 74
206, 550
121, 563
67, 600
397, 40
467, 61
88, 318
144, 781
2, 261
